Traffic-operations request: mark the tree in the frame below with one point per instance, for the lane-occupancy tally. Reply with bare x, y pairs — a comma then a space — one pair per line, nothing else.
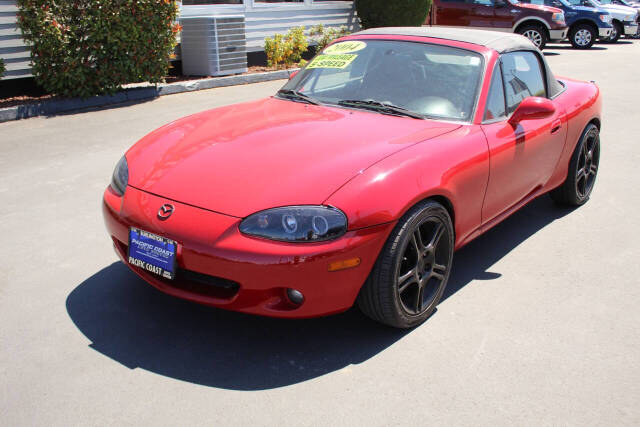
396, 13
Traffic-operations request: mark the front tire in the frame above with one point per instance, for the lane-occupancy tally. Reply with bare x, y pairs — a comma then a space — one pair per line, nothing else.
616, 32
536, 34
412, 270
583, 169
582, 36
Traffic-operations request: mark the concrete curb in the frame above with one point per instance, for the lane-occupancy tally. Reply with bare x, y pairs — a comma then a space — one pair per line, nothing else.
57, 106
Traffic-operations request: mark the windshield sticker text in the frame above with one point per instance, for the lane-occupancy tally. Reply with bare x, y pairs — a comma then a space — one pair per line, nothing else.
345, 47
331, 61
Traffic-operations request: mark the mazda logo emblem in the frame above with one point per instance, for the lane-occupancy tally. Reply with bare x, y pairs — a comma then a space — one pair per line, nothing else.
165, 211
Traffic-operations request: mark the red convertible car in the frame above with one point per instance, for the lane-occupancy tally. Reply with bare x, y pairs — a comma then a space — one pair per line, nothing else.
356, 182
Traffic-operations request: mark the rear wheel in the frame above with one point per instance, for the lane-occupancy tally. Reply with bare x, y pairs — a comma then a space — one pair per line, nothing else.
412, 270
535, 33
576, 189
582, 36
616, 32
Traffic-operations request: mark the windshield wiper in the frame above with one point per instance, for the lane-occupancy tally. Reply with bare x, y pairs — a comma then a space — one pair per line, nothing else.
382, 107
294, 94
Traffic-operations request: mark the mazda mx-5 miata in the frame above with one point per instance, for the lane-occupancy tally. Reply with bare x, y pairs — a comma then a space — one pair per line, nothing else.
358, 179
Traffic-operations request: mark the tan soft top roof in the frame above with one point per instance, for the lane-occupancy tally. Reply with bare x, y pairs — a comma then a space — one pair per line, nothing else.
498, 41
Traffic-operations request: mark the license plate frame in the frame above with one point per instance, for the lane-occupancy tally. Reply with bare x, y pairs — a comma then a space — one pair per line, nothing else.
152, 252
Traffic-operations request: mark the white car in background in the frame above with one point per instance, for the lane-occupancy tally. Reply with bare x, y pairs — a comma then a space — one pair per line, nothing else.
630, 3
624, 18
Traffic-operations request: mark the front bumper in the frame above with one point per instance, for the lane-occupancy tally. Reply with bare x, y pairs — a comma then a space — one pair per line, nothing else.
604, 32
630, 28
219, 266
560, 34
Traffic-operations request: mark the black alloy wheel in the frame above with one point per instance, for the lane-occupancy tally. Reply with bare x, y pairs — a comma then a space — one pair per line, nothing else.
583, 170
412, 269
587, 168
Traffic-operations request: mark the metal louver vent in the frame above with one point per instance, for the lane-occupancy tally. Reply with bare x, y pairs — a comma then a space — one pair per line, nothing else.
213, 45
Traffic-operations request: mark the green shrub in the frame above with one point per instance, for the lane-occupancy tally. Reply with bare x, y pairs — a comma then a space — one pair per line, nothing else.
323, 36
286, 49
89, 47
2, 68
396, 13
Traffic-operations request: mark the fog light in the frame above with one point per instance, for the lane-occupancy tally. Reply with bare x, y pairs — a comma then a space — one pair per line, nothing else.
295, 296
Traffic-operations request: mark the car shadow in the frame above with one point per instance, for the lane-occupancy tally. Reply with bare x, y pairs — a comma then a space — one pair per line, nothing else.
139, 327
569, 47
473, 261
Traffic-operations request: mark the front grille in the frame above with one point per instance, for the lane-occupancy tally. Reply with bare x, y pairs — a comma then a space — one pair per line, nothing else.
203, 284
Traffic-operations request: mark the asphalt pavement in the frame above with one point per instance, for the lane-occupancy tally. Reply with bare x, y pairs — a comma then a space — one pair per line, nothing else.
539, 325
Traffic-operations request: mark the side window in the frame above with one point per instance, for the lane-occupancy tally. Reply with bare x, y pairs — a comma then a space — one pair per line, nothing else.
523, 77
483, 2
495, 108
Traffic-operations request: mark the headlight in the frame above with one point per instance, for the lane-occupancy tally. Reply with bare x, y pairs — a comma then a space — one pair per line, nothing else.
605, 17
120, 176
296, 224
630, 18
558, 17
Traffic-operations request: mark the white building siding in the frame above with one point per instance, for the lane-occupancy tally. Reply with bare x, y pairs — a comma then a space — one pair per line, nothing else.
267, 19
261, 20
13, 51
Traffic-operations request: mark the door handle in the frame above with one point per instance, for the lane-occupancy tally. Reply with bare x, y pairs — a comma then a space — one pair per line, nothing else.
555, 126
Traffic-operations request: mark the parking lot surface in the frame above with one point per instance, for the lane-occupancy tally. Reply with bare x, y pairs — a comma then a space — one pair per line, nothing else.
539, 325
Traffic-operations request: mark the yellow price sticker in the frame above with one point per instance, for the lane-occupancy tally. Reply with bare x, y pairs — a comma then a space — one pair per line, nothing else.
331, 61
345, 47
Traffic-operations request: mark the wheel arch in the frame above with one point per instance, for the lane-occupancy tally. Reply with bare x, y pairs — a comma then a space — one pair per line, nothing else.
586, 22
444, 201
532, 20
595, 121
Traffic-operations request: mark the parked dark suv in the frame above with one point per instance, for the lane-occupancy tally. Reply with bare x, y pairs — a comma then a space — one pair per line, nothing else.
537, 22
586, 24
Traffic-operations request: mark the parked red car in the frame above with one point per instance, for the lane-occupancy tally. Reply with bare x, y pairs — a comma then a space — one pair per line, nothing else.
355, 182
539, 23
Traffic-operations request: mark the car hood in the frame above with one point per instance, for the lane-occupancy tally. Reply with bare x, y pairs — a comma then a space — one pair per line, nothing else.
243, 158
619, 9
540, 7
589, 9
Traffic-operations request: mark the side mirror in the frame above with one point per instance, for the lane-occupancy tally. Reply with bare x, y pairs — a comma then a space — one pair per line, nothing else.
499, 3
293, 74
531, 108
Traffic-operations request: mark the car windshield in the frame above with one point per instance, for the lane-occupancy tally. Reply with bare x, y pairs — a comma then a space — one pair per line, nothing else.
581, 3
392, 77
